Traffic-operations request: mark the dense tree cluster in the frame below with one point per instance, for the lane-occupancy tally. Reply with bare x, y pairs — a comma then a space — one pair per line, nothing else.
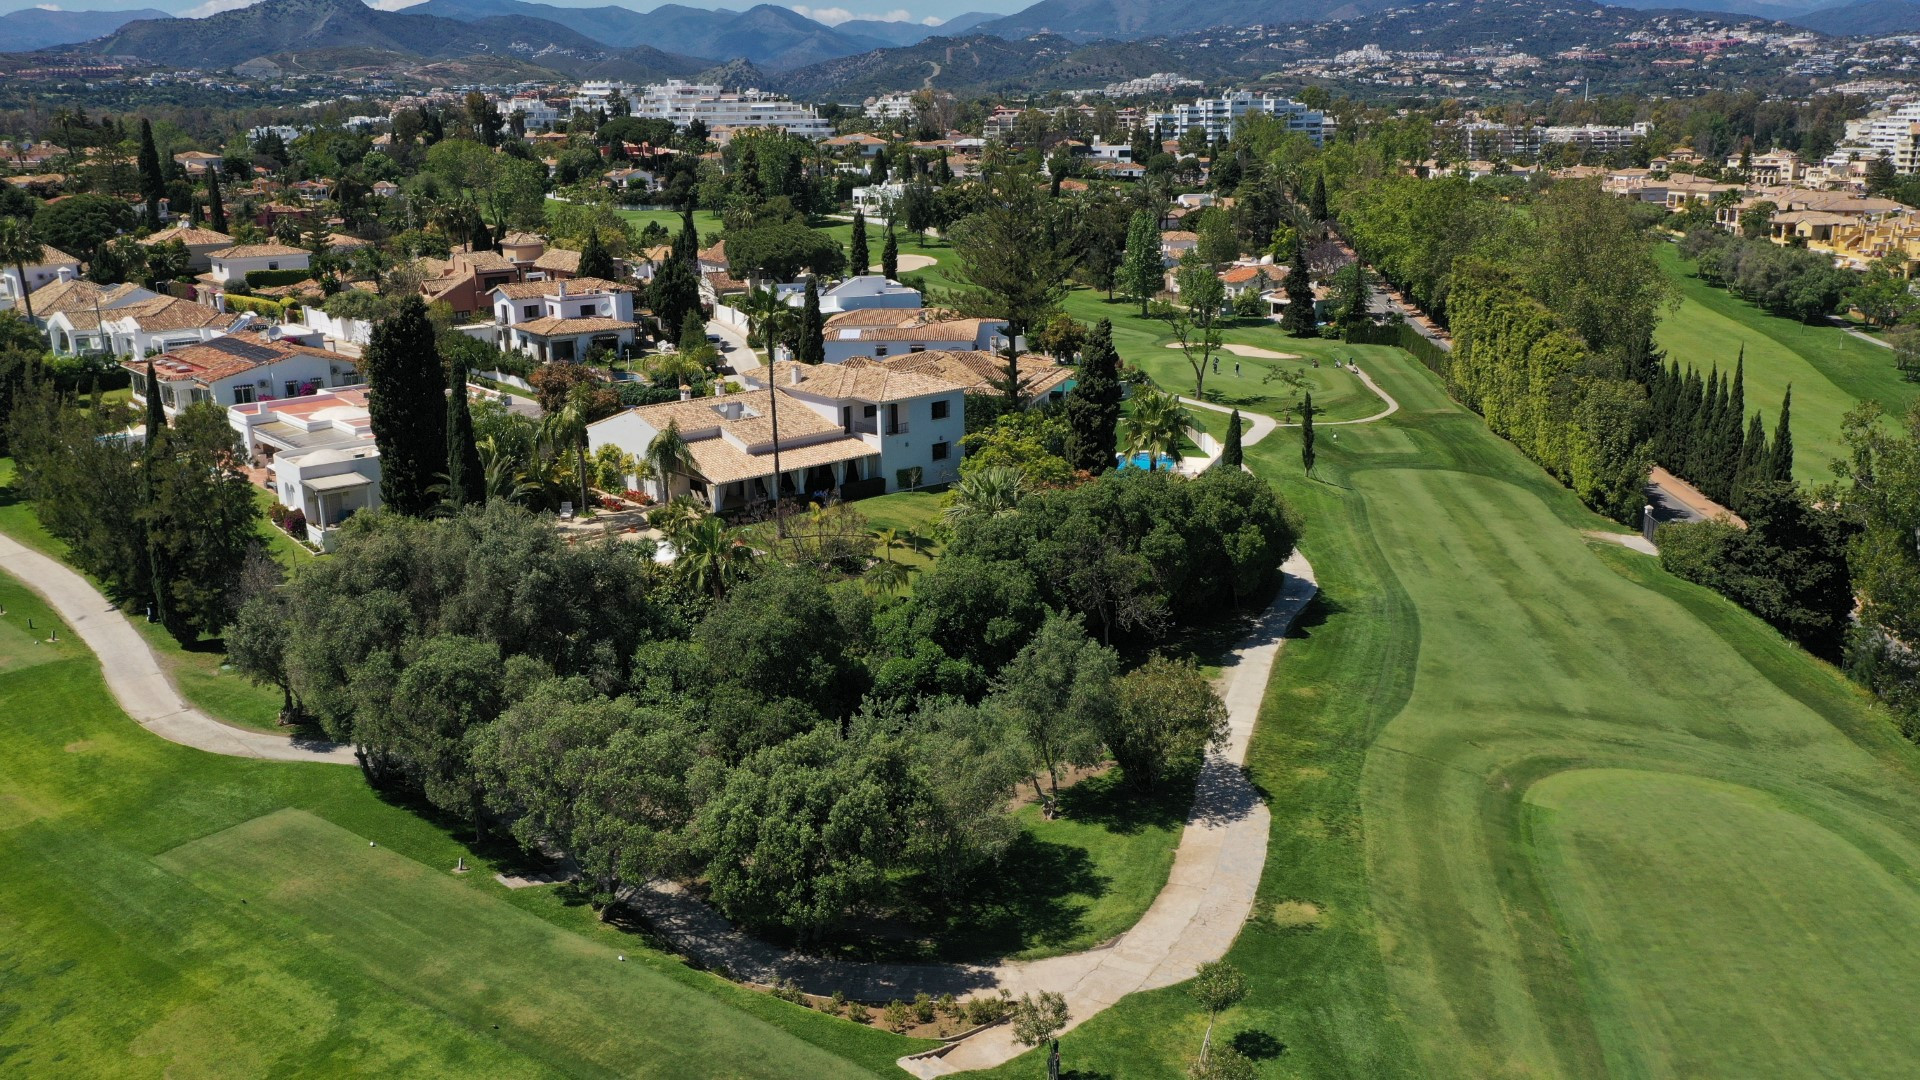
1699, 433
1784, 280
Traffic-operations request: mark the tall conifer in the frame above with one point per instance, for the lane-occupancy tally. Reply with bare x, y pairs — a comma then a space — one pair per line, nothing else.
1093, 405
1782, 458
407, 408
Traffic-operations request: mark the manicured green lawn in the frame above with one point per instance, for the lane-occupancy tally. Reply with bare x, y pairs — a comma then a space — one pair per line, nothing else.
706, 222
940, 276
170, 912
1829, 369
918, 511
1541, 808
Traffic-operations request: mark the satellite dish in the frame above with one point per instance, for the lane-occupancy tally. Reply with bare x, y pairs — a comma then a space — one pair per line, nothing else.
273, 333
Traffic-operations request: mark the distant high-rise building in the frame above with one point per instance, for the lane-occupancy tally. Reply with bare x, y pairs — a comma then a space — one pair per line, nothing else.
1220, 117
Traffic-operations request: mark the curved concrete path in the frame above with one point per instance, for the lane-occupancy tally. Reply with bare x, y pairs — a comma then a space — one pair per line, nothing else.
1259, 424
134, 674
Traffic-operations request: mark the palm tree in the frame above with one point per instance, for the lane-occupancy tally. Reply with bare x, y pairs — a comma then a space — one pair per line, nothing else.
17, 248
887, 577
504, 478
985, 492
565, 429
761, 306
1155, 425
712, 556
668, 454
675, 517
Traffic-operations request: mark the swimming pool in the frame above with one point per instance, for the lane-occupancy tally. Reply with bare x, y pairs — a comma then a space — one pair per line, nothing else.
1139, 461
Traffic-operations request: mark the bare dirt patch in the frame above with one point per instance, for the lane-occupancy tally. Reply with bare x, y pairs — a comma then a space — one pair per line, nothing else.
79, 746
1296, 915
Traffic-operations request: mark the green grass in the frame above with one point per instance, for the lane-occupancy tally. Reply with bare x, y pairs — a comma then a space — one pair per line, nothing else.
170, 912
1829, 369
1142, 342
940, 276
705, 222
1541, 809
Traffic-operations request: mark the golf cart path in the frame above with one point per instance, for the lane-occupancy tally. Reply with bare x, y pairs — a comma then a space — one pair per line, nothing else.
1259, 424
134, 674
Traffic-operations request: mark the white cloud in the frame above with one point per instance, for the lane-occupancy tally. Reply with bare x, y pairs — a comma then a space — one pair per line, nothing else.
46, 7
215, 7
834, 16
395, 5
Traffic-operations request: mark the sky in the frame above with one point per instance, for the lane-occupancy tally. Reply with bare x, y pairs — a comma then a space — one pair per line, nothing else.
930, 12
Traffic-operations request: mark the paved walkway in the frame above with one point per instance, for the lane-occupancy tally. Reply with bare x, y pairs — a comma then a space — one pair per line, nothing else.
1259, 424
134, 674
1630, 541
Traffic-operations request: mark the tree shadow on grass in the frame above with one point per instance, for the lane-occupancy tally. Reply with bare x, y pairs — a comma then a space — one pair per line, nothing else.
1113, 804
1258, 1045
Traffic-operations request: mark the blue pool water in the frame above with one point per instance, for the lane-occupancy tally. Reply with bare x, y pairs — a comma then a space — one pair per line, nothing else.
1139, 461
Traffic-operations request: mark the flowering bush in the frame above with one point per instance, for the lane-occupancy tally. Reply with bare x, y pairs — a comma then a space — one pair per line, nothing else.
638, 497
295, 524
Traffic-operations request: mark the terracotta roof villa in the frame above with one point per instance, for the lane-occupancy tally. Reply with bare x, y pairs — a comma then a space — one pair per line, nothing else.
240, 369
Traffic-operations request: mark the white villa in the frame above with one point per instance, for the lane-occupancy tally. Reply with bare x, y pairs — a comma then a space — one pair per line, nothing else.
877, 200
854, 294
882, 332
200, 244
39, 274
563, 320
855, 430
137, 327
320, 452
76, 294
240, 369
234, 263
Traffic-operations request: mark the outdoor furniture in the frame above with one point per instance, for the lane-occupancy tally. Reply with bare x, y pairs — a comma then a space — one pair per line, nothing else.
566, 511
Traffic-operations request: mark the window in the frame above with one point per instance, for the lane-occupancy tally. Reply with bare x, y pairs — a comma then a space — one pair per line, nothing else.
940, 409
586, 311
879, 350
916, 348
273, 266
532, 311
293, 388
939, 451
243, 395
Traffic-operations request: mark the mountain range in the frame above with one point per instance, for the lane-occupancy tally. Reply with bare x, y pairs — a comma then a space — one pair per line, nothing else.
37, 28
1053, 43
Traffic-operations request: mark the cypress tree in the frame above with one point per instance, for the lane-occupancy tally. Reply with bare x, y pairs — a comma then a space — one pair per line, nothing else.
1732, 434
1692, 394
407, 408
157, 569
1230, 454
890, 256
1317, 202
596, 261
1306, 432
1299, 319
1706, 424
153, 186
216, 211
1782, 459
813, 343
466, 479
857, 255
1093, 405
1756, 462
686, 246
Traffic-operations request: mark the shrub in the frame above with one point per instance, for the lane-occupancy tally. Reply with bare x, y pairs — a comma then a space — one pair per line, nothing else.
837, 1004
857, 1012
785, 990
295, 524
986, 1010
898, 1018
923, 1007
948, 1006
267, 279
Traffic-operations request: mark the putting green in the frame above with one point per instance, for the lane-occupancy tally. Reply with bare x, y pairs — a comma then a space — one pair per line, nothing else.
1718, 929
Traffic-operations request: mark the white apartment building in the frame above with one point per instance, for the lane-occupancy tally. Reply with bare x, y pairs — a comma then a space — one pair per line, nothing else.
1602, 137
1894, 135
1218, 117
890, 107
535, 114
684, 102
1484, 140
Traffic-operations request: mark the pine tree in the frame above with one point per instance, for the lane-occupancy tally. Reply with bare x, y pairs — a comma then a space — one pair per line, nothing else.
890, 256
216, 211
686, 246
1231, 455
1142, 265
1299, 319
857, 256
407, 408
1782, 460
1317, 202
1093, 405
813, 343
153, 186
596, 261
466, 479
1306, 432
877, 171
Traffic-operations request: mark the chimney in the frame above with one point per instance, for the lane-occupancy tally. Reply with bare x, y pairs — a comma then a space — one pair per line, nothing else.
686, 392
794, 375
66, 273
563, 288
220, 302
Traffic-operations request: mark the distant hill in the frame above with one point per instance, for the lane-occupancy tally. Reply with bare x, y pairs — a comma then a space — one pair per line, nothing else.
1868, 18
896, 34
973, 65
1092, 20
767, 36
281, 28
613, 25
37, 28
